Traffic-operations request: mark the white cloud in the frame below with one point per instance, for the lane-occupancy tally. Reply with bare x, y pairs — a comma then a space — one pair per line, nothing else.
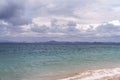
115, 22
41, 21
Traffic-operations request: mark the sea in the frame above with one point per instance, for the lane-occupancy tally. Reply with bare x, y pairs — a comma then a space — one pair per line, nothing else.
34, 61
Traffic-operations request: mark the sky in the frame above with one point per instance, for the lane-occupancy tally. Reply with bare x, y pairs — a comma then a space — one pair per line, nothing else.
60, 20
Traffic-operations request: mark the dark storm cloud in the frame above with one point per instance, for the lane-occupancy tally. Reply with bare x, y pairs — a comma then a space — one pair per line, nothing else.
13, 13
9, 10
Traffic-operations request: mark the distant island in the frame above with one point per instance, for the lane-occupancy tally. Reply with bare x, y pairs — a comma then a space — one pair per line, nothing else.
63, 42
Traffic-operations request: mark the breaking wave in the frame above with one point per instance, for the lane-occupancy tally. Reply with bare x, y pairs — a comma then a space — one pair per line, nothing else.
101, 74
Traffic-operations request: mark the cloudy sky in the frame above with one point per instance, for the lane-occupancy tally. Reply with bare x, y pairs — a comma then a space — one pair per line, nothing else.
61, 20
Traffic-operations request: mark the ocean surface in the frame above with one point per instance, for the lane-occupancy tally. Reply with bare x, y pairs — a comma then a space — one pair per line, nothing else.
34, 61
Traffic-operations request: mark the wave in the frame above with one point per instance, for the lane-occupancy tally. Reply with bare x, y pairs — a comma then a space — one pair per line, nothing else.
101, 74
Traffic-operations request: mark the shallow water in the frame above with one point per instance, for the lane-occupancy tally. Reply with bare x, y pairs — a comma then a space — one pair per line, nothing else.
37, 61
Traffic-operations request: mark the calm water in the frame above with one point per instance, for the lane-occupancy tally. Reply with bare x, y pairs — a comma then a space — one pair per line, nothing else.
32, 61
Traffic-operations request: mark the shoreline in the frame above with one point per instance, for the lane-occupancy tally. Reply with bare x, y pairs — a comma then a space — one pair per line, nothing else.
100, 74
93, 74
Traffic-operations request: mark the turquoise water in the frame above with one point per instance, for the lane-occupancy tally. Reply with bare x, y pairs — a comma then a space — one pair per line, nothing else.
31, 61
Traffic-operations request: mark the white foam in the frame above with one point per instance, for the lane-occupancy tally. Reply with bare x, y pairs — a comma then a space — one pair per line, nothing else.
102, 74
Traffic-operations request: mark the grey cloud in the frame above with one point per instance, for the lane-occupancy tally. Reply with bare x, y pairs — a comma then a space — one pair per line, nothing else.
72, 27
108, 28
7, 29
18, 20
71, 23
14, 30
40, 29
2, 29
68, 27
55, 27
59, 7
